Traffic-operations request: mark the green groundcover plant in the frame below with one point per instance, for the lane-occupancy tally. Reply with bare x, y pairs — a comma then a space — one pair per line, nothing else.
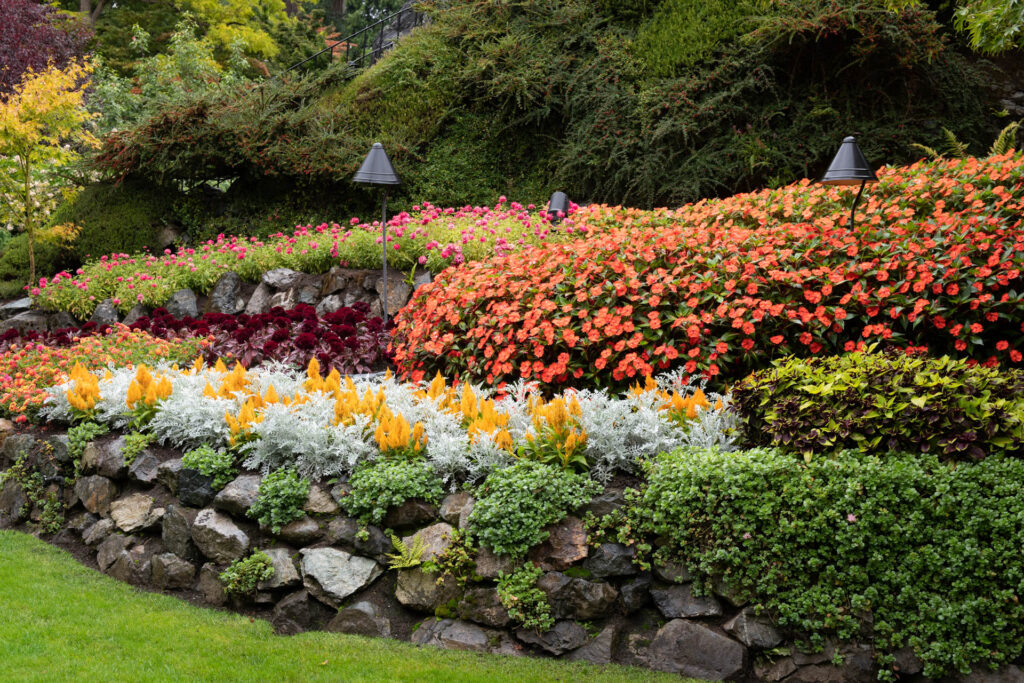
913, 551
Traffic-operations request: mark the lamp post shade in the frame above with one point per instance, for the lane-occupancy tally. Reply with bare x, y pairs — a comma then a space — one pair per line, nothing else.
377, 168
558, 207
849, 166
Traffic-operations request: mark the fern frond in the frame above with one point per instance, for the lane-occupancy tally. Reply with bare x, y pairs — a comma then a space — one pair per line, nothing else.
954, 148
929, 152
1006, 141
408, 555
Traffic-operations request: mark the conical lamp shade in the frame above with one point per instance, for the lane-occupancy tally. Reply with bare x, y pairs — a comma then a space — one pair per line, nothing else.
849, 167
377, 168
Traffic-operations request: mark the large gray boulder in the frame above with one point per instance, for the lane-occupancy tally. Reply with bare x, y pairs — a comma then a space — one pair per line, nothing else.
482, 606
331, 575
170, 571
219, 538
435, 538
753, 631
177, 531
695, 650
575, 598
13, 504
566, 544
226, 295
611, 559
144, 467
561, 638
105, 313
96, 493
281, 278
183, 304
599, 649
361, 619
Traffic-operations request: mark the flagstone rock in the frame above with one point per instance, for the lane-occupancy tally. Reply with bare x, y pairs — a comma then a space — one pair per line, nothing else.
195, 489
95, 534
105, 313
13, 504
167, 474
456, 508
410, 513
636, 593
489, 565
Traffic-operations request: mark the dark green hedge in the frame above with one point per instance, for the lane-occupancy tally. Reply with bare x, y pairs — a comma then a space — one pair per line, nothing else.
909, 550
878, 402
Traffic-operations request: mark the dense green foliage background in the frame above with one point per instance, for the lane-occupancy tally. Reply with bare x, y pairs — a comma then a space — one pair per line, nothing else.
642, 103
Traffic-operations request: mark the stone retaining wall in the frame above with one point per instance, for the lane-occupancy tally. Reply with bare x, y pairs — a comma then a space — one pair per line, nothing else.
153, 523
281, 287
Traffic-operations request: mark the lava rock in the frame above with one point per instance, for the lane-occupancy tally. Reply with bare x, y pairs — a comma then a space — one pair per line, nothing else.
676, 602
566, 544
695, 650
561, 638
218, 538
331, 575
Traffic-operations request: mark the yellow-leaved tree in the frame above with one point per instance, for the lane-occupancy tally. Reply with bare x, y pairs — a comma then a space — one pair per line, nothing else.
42, 127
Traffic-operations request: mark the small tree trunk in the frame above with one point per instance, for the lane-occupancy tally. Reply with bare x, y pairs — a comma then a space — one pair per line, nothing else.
85, 6
29, 226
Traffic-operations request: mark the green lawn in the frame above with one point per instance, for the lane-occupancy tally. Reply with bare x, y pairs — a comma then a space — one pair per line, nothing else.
62, 621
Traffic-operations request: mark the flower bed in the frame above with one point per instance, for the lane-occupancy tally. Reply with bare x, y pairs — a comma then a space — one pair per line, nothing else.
430, 236
721, 287
325, 426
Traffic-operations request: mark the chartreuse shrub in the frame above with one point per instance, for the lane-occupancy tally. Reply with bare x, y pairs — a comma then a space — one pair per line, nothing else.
878, 402
912, 550
244, 574
211, 462
378, 486
515, 503
279, 499
52, 253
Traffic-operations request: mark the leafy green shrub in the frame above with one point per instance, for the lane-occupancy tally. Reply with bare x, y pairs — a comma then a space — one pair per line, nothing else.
135, 443
384, 484
219, 464
913, 551
80, 436
243, 575
684, 32
516, 503
280, 498
51, 257
525, 602
890, 401
124, 218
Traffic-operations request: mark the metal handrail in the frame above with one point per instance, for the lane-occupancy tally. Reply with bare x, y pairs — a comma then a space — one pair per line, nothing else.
361, 33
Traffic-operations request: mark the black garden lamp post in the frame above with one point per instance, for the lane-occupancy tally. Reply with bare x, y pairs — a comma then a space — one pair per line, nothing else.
377, 170
849, 168
558, 204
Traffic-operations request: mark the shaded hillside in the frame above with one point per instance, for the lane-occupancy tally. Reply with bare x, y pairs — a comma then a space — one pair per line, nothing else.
642, 102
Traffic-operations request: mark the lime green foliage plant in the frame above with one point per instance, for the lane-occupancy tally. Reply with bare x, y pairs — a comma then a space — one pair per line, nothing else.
525, 602
134, 444
80, 436
514, 504
376, 487
243, 575
211, 462
456, 562
912, 551
279, 499
878, 402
